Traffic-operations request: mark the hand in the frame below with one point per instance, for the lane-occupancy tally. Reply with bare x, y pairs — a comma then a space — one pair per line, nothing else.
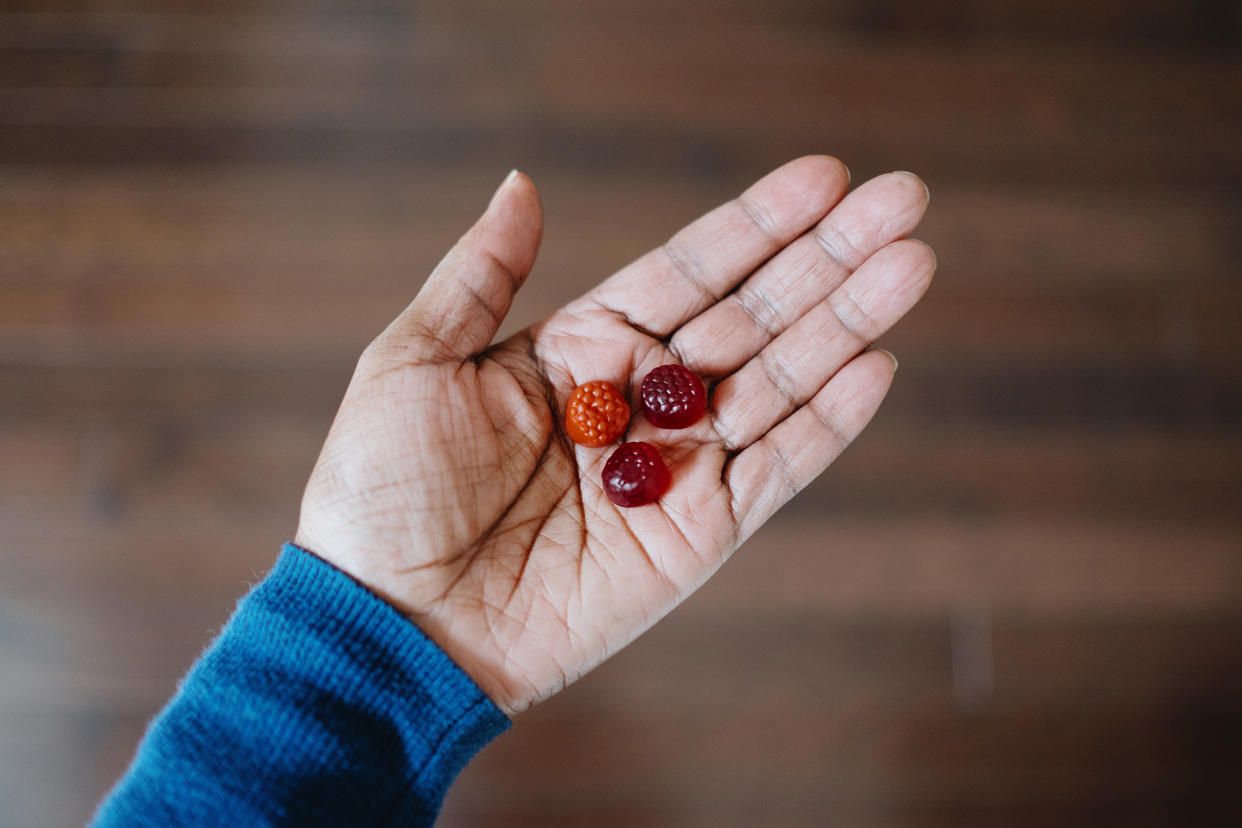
447, 483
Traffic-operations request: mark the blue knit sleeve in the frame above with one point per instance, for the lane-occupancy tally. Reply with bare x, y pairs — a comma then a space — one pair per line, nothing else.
319, 704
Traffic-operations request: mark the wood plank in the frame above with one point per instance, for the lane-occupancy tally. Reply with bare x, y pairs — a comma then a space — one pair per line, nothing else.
1159, 23
680, 96
212, 50
1087, 729
1056, 756
1034, 565
969, 470
230, 223
240, 471
1094, 396
1123, 661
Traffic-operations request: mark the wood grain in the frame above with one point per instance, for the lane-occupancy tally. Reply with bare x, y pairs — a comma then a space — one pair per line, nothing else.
1015, 601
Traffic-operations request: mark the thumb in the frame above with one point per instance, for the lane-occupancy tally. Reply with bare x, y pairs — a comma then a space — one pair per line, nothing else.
467, 296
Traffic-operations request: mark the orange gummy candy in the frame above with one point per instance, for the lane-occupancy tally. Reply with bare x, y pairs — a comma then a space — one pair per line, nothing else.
596, 414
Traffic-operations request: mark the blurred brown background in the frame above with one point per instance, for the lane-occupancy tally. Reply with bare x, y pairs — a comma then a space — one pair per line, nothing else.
1017, 600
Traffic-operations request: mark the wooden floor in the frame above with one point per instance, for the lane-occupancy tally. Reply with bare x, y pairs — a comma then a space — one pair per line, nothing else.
1016, 601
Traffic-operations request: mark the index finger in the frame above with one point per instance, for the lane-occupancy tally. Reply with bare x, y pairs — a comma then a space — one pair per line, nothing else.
706, 259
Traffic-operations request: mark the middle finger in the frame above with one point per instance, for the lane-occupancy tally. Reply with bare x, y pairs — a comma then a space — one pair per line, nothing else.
789, 371
729, 333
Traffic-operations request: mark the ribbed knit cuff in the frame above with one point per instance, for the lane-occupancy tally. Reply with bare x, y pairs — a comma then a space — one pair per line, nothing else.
319, 704
358, 646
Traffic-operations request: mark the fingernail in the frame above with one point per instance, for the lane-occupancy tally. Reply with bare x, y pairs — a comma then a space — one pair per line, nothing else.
921, 181
508, 180
889, 354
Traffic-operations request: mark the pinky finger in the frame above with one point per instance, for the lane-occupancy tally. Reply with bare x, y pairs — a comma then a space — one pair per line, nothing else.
781, 463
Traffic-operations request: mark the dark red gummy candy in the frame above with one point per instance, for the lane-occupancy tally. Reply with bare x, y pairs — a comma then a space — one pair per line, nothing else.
635, 475
673, 397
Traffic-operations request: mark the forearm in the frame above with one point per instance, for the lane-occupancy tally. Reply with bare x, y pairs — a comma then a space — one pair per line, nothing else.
319, 704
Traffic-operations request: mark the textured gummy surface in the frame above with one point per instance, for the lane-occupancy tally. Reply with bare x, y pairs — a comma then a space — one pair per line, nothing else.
596, 414
673, 397
635, 475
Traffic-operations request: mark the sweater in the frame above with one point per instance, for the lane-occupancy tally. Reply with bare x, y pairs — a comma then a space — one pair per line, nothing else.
318, 704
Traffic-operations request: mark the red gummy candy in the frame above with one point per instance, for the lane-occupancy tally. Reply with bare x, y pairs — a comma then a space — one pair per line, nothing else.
673, 397
635, 475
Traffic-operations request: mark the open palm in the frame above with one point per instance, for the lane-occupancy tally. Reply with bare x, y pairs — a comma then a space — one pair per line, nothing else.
447, 483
